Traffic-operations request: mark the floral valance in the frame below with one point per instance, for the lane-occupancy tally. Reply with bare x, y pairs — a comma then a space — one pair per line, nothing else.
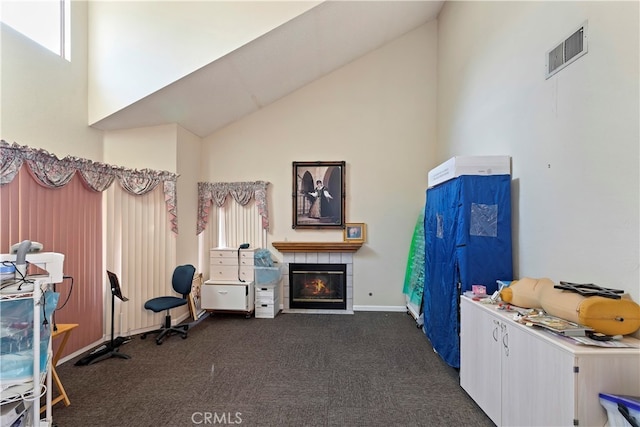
242, 192
51, 172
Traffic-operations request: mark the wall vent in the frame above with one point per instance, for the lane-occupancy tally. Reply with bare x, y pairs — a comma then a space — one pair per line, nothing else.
567, 51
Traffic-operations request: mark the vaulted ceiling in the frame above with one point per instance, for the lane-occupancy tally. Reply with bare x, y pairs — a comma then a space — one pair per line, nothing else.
270, 67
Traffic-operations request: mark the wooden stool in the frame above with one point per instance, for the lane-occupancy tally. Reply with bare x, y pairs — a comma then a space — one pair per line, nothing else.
64, 330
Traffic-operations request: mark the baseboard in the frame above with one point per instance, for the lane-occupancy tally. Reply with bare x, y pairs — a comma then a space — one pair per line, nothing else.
394, 308
83, 350
106, 338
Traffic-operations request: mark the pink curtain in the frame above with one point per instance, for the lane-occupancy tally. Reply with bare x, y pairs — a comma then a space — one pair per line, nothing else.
58, 202
66, 220
52, 172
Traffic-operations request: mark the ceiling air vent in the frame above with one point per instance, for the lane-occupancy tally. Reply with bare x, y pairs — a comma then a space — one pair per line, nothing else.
567, 51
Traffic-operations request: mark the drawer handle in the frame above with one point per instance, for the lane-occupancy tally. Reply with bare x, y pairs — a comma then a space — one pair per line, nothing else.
264, 305
222, 292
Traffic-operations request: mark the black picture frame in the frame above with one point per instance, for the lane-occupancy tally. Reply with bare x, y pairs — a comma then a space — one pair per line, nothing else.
318, 205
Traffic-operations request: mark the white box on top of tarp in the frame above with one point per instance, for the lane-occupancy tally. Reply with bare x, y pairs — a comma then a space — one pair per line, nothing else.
469, 165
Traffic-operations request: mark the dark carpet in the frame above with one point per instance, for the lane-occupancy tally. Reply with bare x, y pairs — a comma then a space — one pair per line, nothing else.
366, 369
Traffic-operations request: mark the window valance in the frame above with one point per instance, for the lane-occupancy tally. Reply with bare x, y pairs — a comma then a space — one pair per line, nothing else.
51, 172
242, 192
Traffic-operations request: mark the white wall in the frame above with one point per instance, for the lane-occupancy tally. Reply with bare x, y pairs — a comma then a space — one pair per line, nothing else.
377, 114
170, 148
43, 100
130, 57
189, 155
153, 147
573, 138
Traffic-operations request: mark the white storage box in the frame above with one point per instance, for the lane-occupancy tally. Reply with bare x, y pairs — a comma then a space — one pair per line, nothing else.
267, 310
616, 405
469, 165
267, 294
267, 275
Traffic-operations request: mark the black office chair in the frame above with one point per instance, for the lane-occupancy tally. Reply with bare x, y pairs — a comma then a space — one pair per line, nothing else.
181, 281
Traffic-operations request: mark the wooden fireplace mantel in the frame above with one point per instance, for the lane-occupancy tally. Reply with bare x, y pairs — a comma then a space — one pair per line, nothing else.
317, 246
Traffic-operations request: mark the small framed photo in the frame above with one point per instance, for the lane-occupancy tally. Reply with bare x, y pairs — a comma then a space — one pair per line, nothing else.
355, 232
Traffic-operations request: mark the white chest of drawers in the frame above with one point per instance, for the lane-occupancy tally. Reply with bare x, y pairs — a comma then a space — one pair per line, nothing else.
231, 264
230, 285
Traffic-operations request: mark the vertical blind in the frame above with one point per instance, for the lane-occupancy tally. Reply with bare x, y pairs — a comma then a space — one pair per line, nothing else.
65, 220
239, 224
229, 226
141, 251
59, 203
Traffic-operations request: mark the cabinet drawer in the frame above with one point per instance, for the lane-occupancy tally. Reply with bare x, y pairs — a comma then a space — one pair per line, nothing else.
230, 256
225, 297
222, 253
231, 261
222, 261
230, 272
267, 311
266, 294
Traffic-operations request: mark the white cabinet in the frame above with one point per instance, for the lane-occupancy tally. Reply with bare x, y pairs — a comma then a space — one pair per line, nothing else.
231, 264
538, 381
230, 287
234, 296
526, 377
480, 349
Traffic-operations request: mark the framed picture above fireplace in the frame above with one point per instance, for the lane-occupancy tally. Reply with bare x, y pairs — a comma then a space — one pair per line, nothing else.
318, 194
355, 232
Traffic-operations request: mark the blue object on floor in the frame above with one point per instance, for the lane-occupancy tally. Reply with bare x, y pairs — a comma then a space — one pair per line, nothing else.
467, 225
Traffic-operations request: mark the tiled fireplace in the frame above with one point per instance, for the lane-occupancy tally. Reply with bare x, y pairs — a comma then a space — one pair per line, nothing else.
318, 286
323, 255
308, 259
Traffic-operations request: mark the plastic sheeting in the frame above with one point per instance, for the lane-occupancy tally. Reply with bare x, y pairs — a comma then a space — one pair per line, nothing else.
16, 332
467, 227
414, 273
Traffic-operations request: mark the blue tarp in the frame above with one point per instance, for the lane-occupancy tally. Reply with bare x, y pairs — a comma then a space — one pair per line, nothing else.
467, 227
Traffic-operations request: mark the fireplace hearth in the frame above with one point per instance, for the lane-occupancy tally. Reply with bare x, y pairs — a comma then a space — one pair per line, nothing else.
318, 286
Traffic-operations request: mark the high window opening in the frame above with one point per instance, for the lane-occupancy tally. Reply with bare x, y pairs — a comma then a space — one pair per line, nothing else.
46, 22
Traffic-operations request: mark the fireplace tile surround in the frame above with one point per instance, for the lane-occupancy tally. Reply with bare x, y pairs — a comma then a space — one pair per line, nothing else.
317, 258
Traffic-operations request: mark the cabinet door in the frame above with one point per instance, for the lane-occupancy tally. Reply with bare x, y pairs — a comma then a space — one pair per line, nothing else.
480, 346
538, 380
225, 297
616, 373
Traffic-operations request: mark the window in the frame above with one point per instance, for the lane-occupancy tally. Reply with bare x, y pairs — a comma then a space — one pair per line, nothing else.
44, 21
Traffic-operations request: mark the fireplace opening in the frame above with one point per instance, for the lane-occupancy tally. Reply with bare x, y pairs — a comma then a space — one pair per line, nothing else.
318, 286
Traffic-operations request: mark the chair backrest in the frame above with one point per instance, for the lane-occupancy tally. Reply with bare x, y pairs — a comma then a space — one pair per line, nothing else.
183, 279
